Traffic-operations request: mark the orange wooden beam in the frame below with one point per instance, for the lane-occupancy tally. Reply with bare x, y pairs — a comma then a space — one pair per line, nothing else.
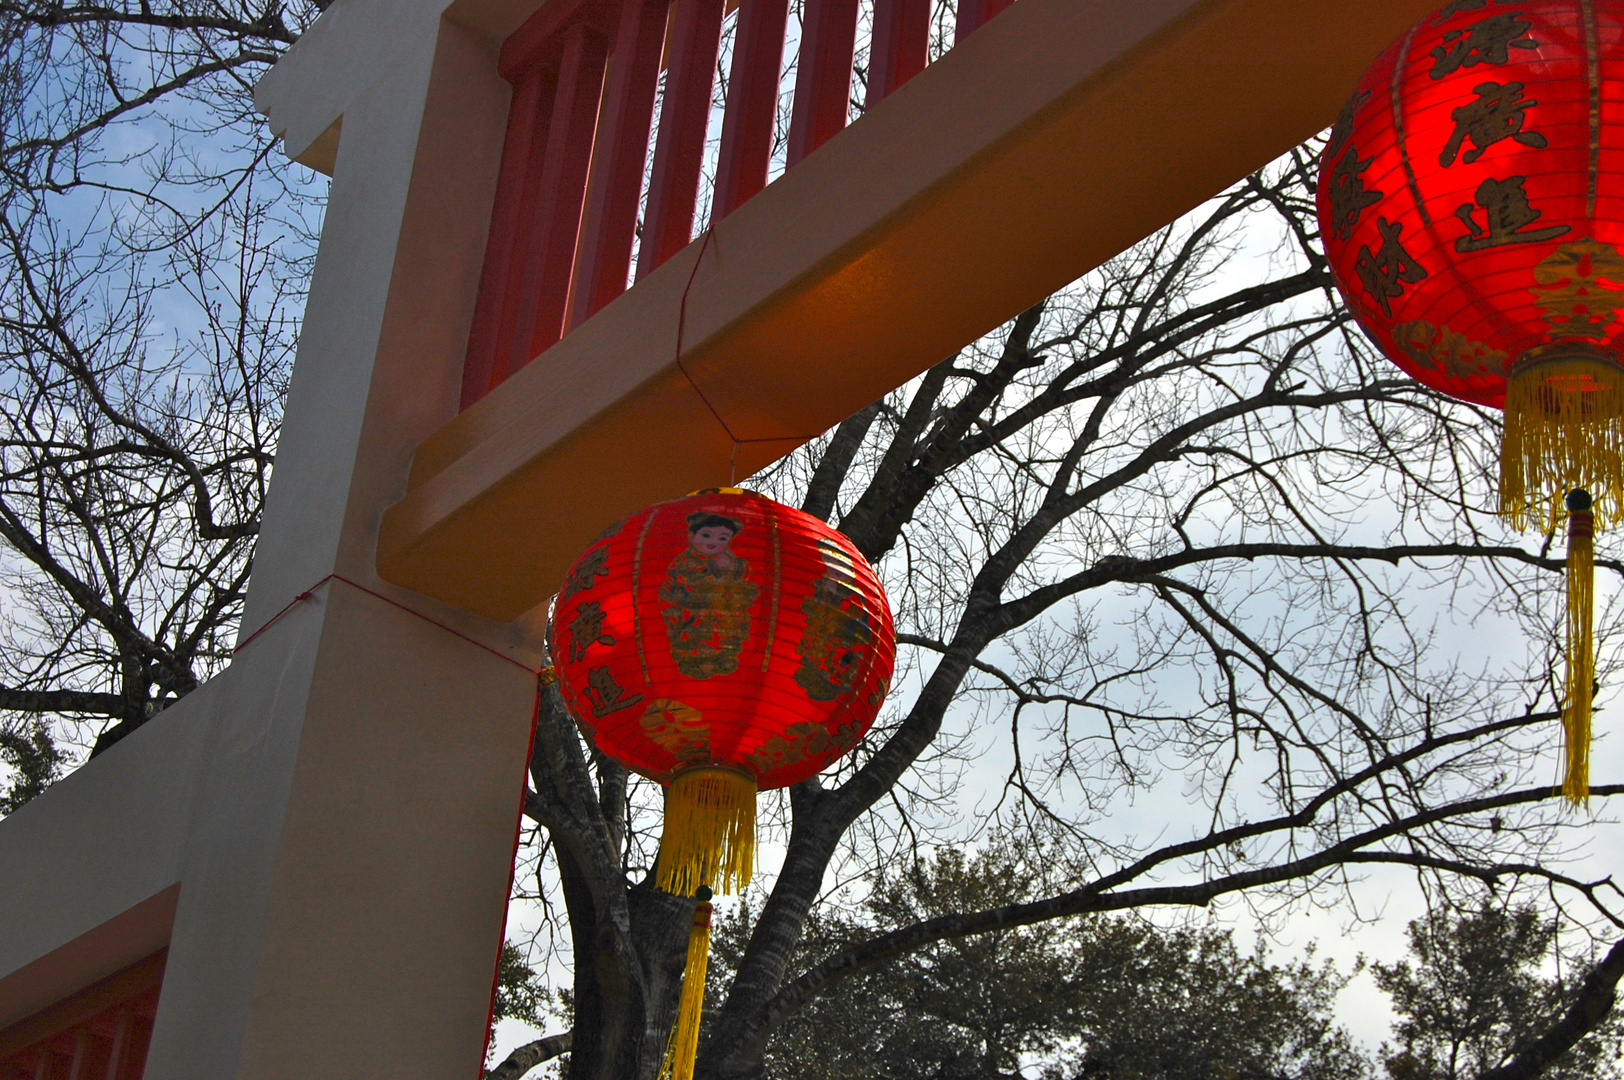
1059, 134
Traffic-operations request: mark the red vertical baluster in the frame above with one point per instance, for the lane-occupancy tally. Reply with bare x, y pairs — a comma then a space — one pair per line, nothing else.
134, 1063
679, 150
84, 1053
973, 14
123, 1035
534, 315
752, 104
823, 79
901, 42
527, 118
53, 1062
609, 222
518, 297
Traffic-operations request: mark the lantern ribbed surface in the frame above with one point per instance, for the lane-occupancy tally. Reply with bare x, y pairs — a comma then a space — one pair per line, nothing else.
1471, 201
720, 644
723, 631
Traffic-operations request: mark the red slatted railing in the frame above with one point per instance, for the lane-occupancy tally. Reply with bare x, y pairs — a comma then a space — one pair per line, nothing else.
609, 223
511, 223
752, 104
536, 308
585, 76
99, 1033
679, 152
899, 47
973, 15
823, 79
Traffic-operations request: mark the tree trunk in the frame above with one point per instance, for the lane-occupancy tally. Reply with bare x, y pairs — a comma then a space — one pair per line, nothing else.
630, 942
626, 996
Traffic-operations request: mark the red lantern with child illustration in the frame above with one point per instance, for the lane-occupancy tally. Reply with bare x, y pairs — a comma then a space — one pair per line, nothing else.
723, 632
720, 644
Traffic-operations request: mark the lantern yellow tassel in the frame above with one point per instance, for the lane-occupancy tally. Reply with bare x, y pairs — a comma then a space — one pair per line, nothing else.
710, 832
1581, 649
1564, 430
709, 838
683, 1045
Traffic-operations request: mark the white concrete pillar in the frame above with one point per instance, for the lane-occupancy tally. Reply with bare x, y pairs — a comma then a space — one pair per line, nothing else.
331, 821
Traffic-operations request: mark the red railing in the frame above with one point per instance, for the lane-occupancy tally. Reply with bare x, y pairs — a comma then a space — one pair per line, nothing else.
578, 175
100, 1033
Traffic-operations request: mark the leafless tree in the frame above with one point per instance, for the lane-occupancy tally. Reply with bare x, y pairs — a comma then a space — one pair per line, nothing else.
1175, 533
153, 254
1174, 530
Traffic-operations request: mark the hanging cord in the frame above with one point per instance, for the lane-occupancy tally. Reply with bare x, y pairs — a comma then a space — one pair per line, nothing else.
682, 326
1581, 674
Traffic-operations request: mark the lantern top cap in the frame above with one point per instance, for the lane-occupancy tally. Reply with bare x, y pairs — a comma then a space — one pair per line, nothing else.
1565, 349
724, 491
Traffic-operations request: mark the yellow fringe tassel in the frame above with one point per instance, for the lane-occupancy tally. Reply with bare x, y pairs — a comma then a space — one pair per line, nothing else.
683, 1045
1581, 650
1564, 430
710, 832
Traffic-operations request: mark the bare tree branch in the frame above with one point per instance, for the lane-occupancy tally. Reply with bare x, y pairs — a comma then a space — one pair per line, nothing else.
531, 1054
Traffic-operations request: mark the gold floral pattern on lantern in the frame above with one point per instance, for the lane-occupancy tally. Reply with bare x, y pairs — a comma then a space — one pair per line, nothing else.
1440, 348
677, 728
1570, 294
801, 742
837, 629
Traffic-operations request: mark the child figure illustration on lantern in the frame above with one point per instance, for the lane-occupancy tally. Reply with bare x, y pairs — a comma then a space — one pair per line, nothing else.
708, 600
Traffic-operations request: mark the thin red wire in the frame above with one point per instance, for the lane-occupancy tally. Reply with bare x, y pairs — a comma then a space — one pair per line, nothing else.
308, 593
544, 676
682, 325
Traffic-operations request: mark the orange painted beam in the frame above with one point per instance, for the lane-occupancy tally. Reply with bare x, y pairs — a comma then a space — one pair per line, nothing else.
1056, 136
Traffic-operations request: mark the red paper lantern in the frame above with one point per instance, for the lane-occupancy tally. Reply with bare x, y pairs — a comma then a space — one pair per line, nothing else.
719, 644
1471, 202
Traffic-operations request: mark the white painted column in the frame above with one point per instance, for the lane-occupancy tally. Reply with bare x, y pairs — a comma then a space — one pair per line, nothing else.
339, 807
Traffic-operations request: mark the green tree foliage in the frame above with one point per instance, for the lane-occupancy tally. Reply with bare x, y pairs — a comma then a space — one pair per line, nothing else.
35, 761
1474, 993
1110, 997
520, 992
522, 995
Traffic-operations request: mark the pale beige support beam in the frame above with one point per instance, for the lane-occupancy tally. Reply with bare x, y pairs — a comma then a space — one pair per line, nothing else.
327, 825
1055, 137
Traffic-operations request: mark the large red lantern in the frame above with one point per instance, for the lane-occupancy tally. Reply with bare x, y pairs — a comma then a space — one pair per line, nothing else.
720, 644
1471, 201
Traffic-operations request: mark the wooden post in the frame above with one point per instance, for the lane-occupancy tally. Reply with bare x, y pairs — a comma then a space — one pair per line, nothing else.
823, 79
679, 150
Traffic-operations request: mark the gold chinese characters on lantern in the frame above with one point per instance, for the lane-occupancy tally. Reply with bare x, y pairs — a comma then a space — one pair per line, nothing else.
1471, 203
